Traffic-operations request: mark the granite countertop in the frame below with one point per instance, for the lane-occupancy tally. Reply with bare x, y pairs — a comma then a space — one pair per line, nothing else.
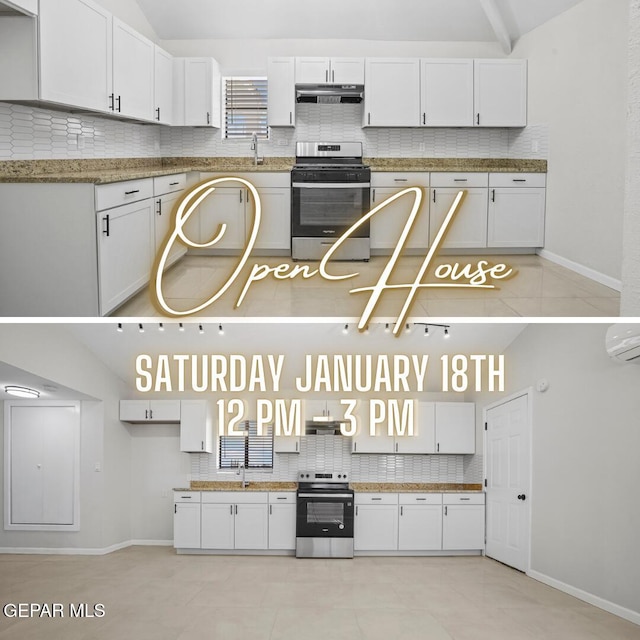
105, 171
361, 487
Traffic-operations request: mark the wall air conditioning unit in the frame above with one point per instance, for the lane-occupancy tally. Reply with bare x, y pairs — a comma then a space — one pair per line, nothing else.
623, 342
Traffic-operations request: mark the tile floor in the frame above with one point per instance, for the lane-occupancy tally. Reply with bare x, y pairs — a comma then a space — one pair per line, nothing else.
152, 593
540, 288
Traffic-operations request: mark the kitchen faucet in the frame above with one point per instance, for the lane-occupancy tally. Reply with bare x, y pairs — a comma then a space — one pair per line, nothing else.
242, 468
254, 147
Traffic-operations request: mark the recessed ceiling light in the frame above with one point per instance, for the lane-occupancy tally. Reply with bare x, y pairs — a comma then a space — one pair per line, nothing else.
21, 392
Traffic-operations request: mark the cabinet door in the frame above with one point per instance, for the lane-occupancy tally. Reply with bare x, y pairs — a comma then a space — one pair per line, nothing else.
186, 526
386, 226
76, 63
423, 438
252, 526
125, 252
363, 441
286, 444
163, 223
420, 528
500, 93
226, 205
463, 527
134, 410
275, 228
200, 87
195, 427
282, 526
165, 410
347, 71
133, 72
447, 93
392, 96
455, 427
163, 86
312, 71
217, 526
281, 102
516, 217
376, 528
468, 229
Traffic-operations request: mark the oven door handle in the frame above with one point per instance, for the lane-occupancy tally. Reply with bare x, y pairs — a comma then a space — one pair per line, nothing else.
325, 495
331, 185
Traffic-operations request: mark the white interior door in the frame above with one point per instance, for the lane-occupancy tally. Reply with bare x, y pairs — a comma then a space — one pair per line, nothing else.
508, 444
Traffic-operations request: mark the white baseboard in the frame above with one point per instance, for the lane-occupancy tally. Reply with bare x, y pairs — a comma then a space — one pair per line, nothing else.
592, 274
596, 601
70, 551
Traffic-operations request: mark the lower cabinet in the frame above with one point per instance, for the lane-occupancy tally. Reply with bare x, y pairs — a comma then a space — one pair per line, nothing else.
376, 522
282, 521
463, 521
420, 522
186, 519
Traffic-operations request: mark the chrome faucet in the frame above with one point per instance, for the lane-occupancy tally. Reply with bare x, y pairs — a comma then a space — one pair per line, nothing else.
242, 468
254, 147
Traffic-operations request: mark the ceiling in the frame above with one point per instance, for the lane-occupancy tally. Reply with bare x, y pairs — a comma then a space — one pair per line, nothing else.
393, 20
49, 389
119, 350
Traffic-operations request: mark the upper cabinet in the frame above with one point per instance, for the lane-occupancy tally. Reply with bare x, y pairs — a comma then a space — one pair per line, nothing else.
133, 73
500, 89
446, 88
197, 83
163, 86
329, 70
281, 101
392, 92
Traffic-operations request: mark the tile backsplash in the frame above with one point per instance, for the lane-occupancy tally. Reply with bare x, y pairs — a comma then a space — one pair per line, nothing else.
333, 453
29, 133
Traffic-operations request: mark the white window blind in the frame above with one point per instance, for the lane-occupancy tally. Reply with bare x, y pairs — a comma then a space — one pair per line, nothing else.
252, 450
245, 107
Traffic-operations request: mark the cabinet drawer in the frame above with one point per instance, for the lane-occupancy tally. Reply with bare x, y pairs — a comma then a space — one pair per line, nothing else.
461, 180
186, 496
119, 193
517, 179
420, 498
282, 497
259, 179
376, 498
235, 497
463, 498
400, 179
169, 184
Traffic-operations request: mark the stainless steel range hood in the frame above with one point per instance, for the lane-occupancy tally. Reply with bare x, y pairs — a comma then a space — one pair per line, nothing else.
330, 93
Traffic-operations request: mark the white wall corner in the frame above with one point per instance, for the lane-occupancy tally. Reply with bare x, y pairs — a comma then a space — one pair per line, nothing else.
498, 25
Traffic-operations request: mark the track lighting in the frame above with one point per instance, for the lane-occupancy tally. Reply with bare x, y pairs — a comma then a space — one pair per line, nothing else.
180, 327
21, 392
407, 328
201, 329
426, 331
387, 328
140, 328
220, 330
346, 329
120, 329
446, 332
161, 327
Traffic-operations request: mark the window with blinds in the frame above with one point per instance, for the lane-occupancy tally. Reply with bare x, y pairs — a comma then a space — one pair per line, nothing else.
252, 450
245, 107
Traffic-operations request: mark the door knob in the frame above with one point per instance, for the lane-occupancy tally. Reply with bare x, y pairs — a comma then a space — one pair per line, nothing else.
522, 497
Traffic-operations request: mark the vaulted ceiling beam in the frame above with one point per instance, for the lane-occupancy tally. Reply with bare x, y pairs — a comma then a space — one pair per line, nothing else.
497, 24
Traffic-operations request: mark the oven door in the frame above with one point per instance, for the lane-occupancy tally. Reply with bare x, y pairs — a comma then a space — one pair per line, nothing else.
327, 210
324, 515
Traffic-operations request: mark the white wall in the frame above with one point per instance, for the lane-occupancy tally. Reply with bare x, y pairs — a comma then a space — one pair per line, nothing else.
585, 435
50, 352
578, 86
630, 303
128, 11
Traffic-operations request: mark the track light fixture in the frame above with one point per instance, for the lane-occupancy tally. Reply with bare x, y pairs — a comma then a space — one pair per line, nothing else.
445, 327
220, 330
180, 327
120, 329
161, 327
346, 329
140, 328
201, 329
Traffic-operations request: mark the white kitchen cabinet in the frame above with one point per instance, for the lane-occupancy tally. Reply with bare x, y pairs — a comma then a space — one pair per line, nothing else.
186, 520
281, 101
376, 522
251, 526
163, 86
423, 431
286, 444
463, 521
197, 91
455, 427
218, 527
387, 225
392, 95
167, 192
329, 70
420, 522
150, 411
225, 206
517, 204
447, 92
196, 427
468, 229
363, 441
75, 54
500, 93
282, 525
133, 72
275, 229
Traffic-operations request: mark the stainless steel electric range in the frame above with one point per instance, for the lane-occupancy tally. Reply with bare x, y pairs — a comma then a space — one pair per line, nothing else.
330, 191
324, 515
